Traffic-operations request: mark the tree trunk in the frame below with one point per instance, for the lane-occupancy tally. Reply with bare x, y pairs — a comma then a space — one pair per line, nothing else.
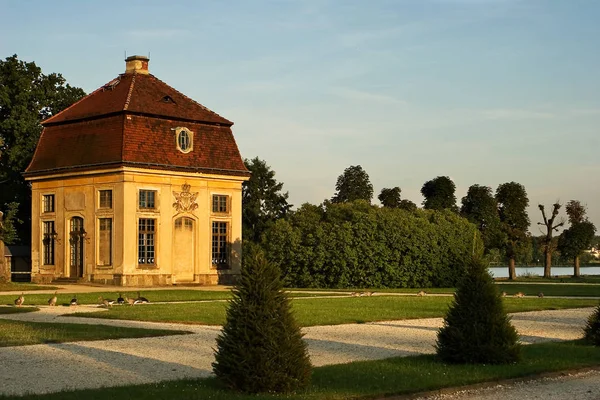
576, 267
512, 273
548, 263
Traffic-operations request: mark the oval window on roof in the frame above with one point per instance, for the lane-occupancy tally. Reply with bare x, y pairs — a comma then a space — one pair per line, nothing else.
184, 139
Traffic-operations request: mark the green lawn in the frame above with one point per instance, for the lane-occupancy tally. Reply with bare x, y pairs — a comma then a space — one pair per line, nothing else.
532, 289
92, 298
19, 333
310, 312
382, 290
369, 379
152, 295
554, 279
529, 287
22, 287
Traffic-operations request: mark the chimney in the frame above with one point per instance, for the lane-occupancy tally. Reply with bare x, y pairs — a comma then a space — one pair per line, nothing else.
136, 65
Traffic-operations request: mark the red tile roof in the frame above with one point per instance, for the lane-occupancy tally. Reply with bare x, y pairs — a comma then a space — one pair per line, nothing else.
137, 93
130, 122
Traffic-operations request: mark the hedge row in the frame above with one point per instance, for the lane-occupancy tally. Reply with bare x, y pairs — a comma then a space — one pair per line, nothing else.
359, 245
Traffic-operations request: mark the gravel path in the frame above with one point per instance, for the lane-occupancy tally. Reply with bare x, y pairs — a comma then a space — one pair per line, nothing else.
575, 386
78, 365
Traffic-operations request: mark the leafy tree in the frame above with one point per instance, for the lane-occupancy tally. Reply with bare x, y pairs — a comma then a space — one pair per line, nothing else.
27, 97
477, 329
260, 348
512, 208
481, 208
353, 184
576, 211
439, 194
8, 233
407, 205
390, 197
263, 203
550, 228
579, 236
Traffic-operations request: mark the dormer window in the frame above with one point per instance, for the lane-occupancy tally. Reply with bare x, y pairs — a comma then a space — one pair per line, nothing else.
185, 139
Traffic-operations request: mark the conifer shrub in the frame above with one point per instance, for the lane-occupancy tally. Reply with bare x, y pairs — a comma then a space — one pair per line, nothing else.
260, 348
476, 328
592, 328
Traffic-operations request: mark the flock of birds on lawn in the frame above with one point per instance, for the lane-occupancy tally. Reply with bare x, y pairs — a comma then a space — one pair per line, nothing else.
121, 301
142, 300
101, 300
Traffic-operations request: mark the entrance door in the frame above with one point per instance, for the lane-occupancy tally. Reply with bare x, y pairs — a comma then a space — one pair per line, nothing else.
76, 237
183, 250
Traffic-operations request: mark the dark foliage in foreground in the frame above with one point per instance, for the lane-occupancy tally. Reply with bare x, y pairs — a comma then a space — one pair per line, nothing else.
592, 328
260, 348
477, 330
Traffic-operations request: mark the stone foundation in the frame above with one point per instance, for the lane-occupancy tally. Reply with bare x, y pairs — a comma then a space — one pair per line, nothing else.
148, 280
42, 278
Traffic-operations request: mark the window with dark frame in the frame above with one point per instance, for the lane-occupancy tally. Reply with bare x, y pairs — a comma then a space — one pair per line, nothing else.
48, 203
220, 203
184, 140
147, 199
146, 241
220, 244
48, 242
105, 242
105, 198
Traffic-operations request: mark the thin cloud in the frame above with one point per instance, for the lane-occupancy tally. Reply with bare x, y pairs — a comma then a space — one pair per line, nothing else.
157, 33
367, 97
515, 114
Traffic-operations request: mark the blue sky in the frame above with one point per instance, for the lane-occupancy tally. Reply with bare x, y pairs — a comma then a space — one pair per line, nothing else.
483, 91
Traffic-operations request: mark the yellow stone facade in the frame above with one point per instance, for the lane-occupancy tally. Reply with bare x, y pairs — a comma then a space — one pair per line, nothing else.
184, 218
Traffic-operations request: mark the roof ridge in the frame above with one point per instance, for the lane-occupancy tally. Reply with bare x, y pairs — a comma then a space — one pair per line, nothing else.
131, 85
74, 104
192, 100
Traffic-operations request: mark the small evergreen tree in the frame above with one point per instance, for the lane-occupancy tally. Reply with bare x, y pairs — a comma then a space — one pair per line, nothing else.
476, 328
260, 348
592, 328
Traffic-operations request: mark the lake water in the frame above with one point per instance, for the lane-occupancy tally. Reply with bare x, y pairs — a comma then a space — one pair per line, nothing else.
502, 272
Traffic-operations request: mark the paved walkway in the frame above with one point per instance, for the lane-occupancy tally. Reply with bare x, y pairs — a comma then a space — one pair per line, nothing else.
79, 365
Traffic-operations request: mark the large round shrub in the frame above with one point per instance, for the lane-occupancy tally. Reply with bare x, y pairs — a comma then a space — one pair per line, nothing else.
260, 348
476, 328
359, 245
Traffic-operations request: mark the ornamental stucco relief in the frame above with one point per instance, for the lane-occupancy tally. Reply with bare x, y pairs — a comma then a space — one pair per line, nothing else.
185, 201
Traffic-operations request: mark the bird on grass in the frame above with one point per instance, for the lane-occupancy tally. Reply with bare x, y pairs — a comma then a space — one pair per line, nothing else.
120, 300
141, 300
20, 300
74, 301
129, 301
422, 293
520, 294
105, 302
541, 295
52, 300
